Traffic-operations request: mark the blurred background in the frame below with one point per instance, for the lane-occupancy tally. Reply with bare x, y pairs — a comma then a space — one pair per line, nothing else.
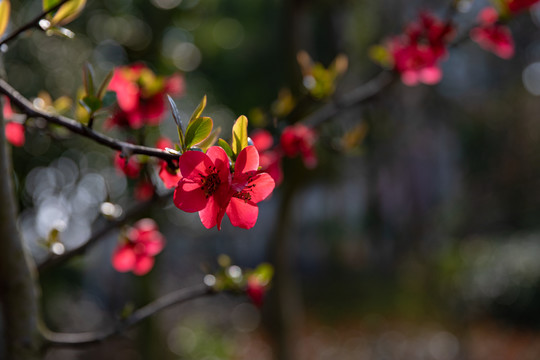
420, 241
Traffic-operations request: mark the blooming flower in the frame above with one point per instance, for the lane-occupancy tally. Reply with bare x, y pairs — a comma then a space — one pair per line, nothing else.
255, 289
269, 159
248, 187
493, 36
137, 250
141, 95
170, 177
300, 140
131, 167
416, 53
204, 185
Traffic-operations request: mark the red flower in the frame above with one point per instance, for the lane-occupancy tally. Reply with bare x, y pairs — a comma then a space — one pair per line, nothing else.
269, 160
136, 253
144, 190
255, 289
417, 53
516, 6
204, 185
141, 95
300, 140
14, 130
131, 167
170, 177
248, 187
493, 36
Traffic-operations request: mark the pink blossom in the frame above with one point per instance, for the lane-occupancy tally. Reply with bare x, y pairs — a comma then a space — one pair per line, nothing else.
269, 159
493, 36
14, 130
131, 167
137, 250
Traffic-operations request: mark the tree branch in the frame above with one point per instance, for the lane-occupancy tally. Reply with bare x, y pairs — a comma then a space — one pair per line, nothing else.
355, 97
111, 225
32, 23
92, 337
74, 126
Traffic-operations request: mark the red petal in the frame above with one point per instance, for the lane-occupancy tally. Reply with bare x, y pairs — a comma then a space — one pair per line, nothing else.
169, 180
189, 197
212, 214
242, 214
175, 85
123, 258
221, 161
263, 185
193, 163
15, 133
248, 160
262, 139
143, 265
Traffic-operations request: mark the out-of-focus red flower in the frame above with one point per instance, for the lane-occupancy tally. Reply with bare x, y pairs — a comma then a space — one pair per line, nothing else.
255, 289
269, 159
131, 167
137, 250
248, 187
141, 95
516, 6
493, 36
300, 140
416, 54
14, 130
144, 190
204, 185
170, 177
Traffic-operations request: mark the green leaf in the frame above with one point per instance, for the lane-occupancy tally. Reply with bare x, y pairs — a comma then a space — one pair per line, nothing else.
239, 135
91, 103
5, 7
104, 84
178, 121
88, 79
225, 146
264, 272
48, 4
108, 99
198, 130
198, 111
68, 12
210, 140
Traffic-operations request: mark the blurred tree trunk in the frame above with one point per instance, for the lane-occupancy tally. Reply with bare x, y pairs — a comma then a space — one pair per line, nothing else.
18, 291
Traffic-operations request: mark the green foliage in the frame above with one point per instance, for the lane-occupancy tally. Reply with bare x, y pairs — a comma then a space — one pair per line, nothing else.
198, 130
239, 135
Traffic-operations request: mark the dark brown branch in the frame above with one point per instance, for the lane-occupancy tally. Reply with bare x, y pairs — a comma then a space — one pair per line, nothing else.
87, 338
72, 125
134, 212
355, 97
32, 23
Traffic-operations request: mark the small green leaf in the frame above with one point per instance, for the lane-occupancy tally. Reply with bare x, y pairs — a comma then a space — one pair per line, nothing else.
210, 140
198, 130
68, 12
109, 99
88, 79
5, 7
178, 121
48, 4
239, 135
104, 84
225, 146
91, 104
198, 111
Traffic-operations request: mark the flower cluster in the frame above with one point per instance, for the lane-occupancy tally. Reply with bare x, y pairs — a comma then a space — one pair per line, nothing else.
14, 130
210, 186
137, 248
493, 36
295, 140
141, 95
417, 53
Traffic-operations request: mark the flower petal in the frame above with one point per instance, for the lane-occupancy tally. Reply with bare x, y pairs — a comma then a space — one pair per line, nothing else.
143, 265
189, 197
123, 258
193, 163
212, 214
248, 160
262, 186
221, 161
242, 214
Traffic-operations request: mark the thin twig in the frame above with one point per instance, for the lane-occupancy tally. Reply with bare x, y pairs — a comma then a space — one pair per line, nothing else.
355, 97
92, 337
32, 23
72, 125
53, 260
